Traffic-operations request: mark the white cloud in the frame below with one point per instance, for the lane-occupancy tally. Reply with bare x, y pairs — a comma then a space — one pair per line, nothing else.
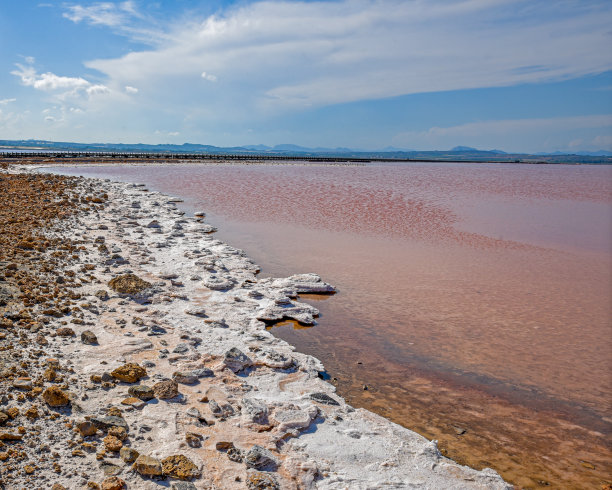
7, 101
131, 90
50, 82
278, 55
209, 77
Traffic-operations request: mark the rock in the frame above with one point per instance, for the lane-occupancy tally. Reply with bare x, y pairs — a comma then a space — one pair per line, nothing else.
129, 373
105, 423
220, 411
257, 480
102, 295
323, 398
254, 411
113, 483
55, 397
86, 428
10, 436
199, 312
148, 466
183, 485
191, 377
112, 443
193, 440
234, 454
128, 454
153, 224
128, 284
3, 418
23, 383
65, 332
110, 469
142, 392
236, 360
181, 467
217, 283
57, 486
180, 349
260, 458
132, 401
166, 389
88, 337
157, 330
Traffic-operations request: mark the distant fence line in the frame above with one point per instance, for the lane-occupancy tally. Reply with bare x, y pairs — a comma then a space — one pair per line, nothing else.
187, 156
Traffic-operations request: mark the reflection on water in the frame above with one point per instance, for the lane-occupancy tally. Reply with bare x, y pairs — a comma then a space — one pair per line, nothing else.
474, 299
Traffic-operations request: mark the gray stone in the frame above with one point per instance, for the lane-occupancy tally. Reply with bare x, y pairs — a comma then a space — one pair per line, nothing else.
105, 423
180, 348
236, 360
260, 458
142, 392
255, 411
323, 398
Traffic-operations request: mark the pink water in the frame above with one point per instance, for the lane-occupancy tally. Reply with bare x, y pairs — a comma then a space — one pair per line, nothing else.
471, 296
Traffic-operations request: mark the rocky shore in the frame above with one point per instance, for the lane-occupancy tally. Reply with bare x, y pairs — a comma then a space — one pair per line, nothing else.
134, 354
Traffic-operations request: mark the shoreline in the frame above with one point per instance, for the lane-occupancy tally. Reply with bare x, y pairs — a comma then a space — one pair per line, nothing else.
270, 395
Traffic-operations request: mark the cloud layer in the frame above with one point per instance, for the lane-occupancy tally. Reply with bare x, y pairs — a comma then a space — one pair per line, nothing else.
262, 60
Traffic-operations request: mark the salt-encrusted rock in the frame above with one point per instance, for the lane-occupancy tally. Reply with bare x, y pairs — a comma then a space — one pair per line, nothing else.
254, 411
166, 389
153, 224
129, 373
183, 485
290, 418
181, 467
112, 443
260, 458
218, 283
88, 337
282, 308
105, 423
223, 410
300, 283
142, 392
259, 480
191, 377
55, 397
274, 359
236, 360
216, 323
148, 466
200, 312
102, 295
180, 348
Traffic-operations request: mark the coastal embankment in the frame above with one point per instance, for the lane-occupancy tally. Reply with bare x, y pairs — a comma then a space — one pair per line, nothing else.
134, 354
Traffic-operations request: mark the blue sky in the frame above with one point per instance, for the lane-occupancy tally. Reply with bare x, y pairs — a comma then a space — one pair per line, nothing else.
515, 75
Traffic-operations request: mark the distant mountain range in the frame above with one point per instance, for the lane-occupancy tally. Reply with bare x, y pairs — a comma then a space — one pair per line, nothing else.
458, 153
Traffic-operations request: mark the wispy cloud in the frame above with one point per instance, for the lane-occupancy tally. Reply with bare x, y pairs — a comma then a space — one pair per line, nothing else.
7, 101
123, 17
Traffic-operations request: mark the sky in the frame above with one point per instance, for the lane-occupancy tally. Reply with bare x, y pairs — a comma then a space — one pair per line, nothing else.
514, 75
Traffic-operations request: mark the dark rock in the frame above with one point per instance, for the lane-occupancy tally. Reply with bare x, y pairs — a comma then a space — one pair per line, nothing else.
105, 423
323, 398
88, 337
142, 392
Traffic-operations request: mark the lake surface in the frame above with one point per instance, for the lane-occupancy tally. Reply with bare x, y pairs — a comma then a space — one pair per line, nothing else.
474, 301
